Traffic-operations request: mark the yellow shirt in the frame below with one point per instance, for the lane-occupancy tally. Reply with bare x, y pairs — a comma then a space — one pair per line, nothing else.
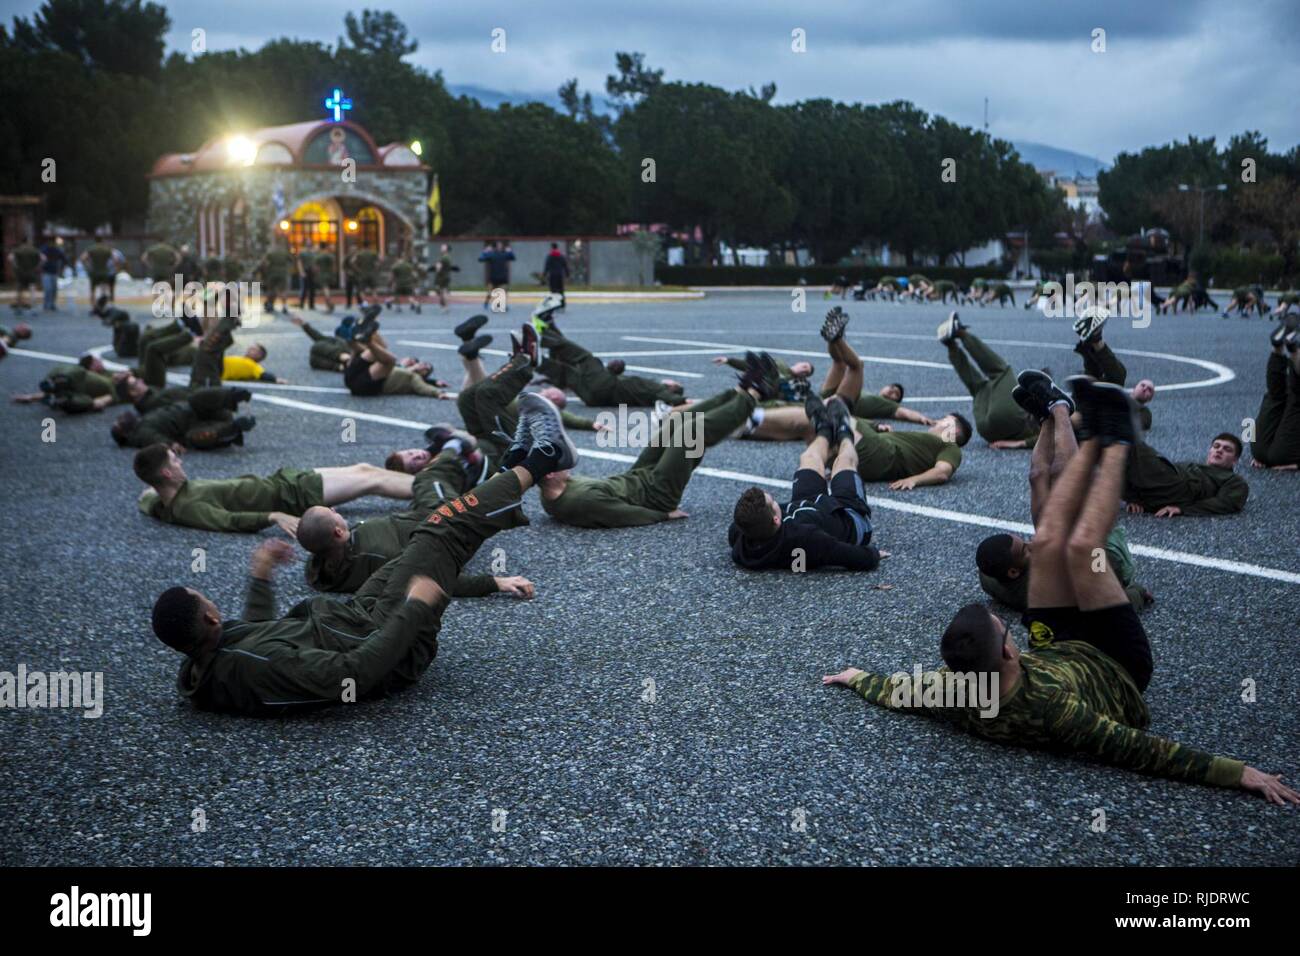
238, 368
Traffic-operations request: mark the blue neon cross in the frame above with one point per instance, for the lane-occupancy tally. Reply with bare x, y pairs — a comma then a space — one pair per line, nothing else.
338, 104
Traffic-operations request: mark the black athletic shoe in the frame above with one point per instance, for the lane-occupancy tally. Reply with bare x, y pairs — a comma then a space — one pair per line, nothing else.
1081, 387
530, 344
546, 428
516, 347
836, 321
841, 420
519, 446
471, 347
367, 327
466, 330
1114, 414
1045, 392
245, 423
240, 395
819, 417
1029, 401
1278, 336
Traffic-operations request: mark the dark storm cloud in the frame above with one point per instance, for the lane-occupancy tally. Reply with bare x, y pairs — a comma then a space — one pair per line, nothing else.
1170, 68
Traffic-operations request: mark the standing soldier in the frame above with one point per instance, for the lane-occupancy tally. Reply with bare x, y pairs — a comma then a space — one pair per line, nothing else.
327, 269
160, 263
359, 270
403, 284
273, 270
307, 272
556, 271
100, 264
26, 260
442, 275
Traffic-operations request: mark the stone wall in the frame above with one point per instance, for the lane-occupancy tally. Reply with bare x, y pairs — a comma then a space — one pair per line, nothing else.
175, 201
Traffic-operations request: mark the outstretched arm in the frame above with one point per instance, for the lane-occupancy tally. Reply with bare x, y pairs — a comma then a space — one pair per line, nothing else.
937, 475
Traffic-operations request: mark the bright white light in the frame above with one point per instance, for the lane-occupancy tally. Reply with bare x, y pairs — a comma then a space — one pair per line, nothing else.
241, 150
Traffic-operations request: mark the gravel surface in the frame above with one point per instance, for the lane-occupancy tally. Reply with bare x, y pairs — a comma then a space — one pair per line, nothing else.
535, 739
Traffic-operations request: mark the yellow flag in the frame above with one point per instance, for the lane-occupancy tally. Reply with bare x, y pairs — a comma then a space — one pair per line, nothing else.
435, 206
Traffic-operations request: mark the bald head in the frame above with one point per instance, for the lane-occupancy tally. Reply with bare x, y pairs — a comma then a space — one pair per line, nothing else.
319, 528
556, 396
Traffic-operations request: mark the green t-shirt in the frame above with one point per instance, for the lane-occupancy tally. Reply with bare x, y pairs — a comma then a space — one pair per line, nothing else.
277, 263
99, 257
161, 259
888, 456
874, 406
238, 504
403, 273
325, 265
362, 263
1072, 698
602, 503
27, 258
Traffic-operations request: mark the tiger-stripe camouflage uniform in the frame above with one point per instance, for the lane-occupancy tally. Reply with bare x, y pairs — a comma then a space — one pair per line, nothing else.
1071, 697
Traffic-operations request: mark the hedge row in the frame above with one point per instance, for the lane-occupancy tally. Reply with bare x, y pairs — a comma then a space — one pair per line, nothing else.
1232, 267
809, 275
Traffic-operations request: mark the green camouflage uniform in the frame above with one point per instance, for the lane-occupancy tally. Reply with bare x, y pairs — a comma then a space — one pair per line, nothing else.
378, 640
375, 542
1073, 698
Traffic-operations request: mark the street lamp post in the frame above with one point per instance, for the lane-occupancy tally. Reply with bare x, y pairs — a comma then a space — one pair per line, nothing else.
1201, 191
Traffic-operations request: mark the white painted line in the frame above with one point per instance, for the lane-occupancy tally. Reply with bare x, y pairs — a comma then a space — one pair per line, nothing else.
888, 504
1222, 373
726, 347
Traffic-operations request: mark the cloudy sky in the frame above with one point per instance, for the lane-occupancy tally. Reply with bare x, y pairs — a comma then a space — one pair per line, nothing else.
1170, 68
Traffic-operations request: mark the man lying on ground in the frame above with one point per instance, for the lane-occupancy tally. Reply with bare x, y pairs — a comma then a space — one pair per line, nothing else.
998, 419
327, 651
1004, 560
1078, 689
250, 503
202, 419
825, 524
1157, 485
375, 370
77, 389
343, 557
571, 366
651, 490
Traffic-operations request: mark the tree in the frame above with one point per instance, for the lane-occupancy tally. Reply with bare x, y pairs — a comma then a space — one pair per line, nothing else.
115, 36
633, 82
378, 33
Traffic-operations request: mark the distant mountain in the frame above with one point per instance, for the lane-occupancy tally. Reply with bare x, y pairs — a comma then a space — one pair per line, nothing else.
494, 98
1061, 161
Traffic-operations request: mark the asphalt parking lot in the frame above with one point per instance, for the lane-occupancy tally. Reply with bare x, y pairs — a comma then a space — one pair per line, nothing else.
654, 704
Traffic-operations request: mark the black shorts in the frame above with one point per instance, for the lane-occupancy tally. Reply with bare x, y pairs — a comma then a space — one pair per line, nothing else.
847, 489
1115, 631
357, 378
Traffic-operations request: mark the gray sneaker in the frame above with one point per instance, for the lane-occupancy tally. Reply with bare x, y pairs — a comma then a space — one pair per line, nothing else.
546, 428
